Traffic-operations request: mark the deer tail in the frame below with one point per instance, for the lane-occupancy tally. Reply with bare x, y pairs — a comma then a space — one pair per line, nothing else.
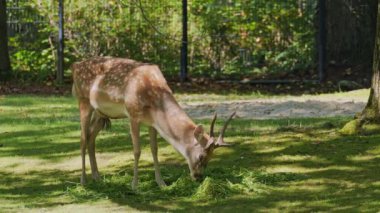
106, 123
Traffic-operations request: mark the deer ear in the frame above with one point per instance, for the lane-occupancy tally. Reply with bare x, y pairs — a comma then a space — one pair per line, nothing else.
198, 132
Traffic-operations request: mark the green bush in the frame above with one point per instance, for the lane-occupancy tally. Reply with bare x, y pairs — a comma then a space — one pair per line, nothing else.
239, 37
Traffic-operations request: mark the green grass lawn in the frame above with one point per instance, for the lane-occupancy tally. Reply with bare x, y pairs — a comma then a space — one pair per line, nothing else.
295, 165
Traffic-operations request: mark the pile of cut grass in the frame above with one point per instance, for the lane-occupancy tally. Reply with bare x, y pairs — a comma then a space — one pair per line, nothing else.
215, 187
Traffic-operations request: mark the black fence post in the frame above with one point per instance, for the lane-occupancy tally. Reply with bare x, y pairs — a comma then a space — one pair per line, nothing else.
5, 63
322, 40
183, 74
61, 43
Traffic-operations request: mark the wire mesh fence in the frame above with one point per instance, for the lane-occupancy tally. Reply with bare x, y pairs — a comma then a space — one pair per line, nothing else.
22, 19
252, 38
351, 31
229, 38
226, 38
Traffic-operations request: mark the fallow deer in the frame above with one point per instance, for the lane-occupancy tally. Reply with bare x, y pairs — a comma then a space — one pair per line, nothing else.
110, 88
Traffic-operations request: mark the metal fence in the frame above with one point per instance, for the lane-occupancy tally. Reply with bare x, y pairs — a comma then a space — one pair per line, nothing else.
256, 38
231, 39
23, 20
222, 38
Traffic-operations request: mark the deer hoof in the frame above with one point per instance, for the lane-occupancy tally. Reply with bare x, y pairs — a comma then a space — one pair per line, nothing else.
134, 185
83, 180
96, 176
161, 183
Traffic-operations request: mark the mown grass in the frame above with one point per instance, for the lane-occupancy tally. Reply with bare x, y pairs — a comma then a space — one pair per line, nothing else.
300, 165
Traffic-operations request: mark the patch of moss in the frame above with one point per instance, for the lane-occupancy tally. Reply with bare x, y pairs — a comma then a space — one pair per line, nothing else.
350, 128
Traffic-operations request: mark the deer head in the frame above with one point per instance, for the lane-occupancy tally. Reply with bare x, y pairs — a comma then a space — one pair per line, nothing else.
204, 145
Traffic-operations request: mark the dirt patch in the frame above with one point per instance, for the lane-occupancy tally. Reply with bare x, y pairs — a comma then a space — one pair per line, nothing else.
279, 108
36, 89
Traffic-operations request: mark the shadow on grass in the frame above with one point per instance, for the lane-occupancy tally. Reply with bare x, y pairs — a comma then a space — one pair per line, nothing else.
49, 142
328, 181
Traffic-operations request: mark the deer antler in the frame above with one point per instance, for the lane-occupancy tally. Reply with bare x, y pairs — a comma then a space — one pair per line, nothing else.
212, 126
220, 141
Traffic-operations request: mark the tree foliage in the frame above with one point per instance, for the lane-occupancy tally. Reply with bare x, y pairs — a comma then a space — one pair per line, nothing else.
240, 37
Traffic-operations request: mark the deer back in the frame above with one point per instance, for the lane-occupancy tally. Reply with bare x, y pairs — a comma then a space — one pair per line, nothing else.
118, 87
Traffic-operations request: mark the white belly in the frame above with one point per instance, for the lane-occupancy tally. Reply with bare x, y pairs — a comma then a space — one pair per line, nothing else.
108, 102
112, 110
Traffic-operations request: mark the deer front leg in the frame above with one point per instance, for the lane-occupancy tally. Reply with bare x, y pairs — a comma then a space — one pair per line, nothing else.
85, 116
135, 132
153, 147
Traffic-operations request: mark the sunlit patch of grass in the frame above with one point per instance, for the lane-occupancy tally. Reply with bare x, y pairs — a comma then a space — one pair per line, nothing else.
361, 158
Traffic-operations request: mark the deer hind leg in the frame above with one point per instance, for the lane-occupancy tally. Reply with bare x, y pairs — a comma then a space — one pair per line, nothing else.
135, 132
85, 116
153, 147
97, 124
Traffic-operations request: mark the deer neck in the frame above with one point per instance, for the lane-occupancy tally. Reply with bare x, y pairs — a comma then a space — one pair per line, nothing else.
174, 125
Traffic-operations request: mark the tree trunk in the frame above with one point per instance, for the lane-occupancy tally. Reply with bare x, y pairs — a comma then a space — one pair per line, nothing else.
5, 64
371, 112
